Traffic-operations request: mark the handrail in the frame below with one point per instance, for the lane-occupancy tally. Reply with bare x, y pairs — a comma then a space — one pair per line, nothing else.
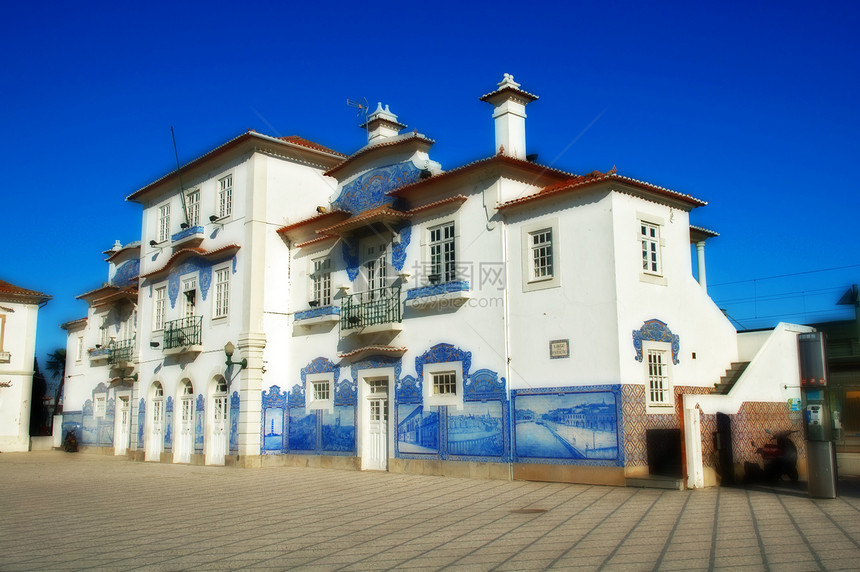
378, 306
183, 332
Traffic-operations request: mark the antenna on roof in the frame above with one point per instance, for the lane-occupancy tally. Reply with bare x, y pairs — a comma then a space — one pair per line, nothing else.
179, 174
363, 107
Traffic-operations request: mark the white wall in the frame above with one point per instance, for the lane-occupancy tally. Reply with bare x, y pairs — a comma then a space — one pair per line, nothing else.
20, 341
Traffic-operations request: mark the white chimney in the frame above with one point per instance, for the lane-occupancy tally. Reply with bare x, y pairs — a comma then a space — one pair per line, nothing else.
381, 124
509, 112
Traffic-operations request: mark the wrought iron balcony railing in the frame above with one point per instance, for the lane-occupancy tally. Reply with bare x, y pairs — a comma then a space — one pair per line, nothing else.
380, 306
183, 332
120, 352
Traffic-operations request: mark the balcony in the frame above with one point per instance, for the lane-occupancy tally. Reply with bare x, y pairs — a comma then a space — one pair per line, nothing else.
439, 296
184, 335
371, 311
119, 353
326, 315
98, 354
191, 236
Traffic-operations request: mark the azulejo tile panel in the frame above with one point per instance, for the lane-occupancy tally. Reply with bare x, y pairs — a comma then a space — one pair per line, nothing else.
568, 425
437, 290
369, 190
656, 331
317, 312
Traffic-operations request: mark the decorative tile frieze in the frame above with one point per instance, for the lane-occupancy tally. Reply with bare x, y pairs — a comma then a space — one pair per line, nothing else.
656, 331
437, 289
317, 312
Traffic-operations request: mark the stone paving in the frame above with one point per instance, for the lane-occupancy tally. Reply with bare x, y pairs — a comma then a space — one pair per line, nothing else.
61, 511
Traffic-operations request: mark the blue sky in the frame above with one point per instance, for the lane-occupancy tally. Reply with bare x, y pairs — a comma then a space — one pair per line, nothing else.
751, 106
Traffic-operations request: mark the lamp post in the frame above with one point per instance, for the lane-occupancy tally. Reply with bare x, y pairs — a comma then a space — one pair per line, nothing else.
229, 348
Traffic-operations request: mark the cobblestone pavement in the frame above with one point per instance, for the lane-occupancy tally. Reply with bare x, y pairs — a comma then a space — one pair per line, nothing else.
62, 511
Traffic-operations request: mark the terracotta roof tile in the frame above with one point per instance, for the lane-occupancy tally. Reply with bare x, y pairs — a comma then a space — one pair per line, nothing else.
316, 218
537, 168
583, 181
186, 252
399, 140
434, 204
309, 144
366, 217
12, 290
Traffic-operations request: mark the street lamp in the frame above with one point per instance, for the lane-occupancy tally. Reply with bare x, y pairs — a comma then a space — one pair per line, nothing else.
228, 351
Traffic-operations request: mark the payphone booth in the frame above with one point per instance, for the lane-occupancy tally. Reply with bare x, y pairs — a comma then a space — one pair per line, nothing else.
820, 451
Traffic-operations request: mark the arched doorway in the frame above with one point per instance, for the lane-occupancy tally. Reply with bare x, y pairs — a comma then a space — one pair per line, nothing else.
155, 434
217, 422
185, 423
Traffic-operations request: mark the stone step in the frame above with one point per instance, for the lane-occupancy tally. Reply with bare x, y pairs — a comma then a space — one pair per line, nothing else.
656, 482
732, 375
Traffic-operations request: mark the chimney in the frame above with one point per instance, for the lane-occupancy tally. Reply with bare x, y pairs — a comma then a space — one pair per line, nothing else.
381, 124
509, 112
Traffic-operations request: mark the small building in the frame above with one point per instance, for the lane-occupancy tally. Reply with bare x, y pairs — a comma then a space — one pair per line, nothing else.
19, 310
297, 305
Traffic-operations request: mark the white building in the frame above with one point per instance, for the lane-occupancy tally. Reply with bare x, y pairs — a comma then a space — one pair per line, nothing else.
19, 309
502, 319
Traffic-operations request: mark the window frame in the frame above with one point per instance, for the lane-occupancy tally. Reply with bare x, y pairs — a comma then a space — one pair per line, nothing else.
163, 222
225, 196
432, 399
447, 269
651, 247
159, 308
79, 348
531, 281
313, 402
99, 412
321, 284
666, 405
221, 297
192, 208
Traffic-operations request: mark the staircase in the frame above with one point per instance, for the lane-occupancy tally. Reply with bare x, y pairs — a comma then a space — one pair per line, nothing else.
732, 375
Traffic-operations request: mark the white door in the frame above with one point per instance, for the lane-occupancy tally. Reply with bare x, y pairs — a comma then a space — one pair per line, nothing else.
185, 432
375, 442
123, 426
375, 267
220, 422
156, 431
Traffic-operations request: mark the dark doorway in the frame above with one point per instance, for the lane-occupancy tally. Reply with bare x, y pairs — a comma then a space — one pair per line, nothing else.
723, 446
664, 452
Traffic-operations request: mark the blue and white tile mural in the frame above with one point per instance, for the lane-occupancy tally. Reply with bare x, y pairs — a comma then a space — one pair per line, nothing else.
417, 429
199, 423
303, 429
477, 430
338, 429
234, 423
567, 424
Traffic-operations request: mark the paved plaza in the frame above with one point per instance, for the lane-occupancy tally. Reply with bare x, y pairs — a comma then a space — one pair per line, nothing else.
65, 511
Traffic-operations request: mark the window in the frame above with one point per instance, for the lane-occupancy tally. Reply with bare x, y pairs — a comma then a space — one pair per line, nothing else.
158, 306
103, 332
443, 260
444, 383
540, 244
192, 208
321, 281
100, 405
189, 290
163, 222
322, 390
650, 236
319, 391
225, 196
79, 349
541, 262
659, 392
222, 293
